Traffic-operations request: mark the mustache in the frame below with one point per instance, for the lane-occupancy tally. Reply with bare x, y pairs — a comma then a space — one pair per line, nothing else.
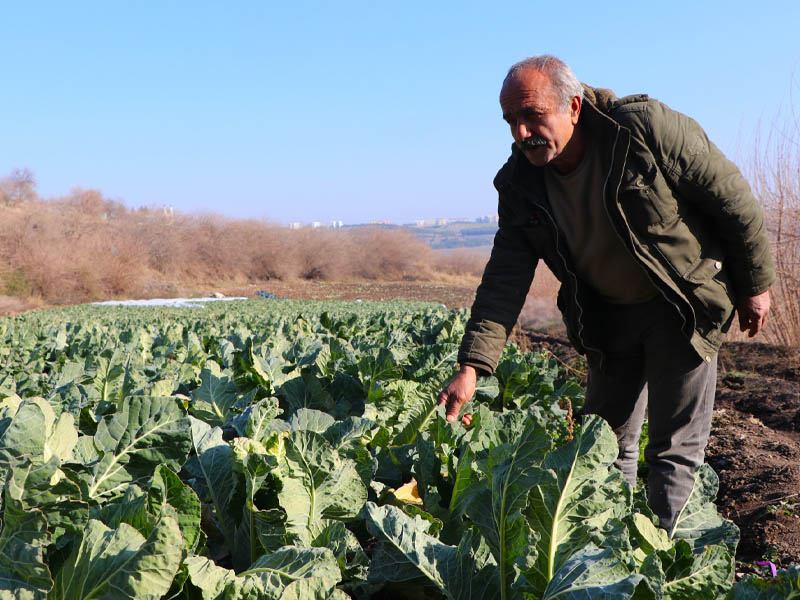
533, 141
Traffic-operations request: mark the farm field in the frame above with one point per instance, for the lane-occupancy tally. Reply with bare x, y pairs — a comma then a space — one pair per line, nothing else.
291, 449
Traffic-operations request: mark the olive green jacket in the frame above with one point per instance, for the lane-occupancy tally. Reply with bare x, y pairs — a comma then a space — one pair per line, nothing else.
681, 208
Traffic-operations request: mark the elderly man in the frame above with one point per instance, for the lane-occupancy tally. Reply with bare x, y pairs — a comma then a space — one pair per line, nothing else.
656, 239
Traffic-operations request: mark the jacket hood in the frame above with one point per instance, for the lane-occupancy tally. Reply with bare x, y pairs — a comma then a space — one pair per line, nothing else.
603, 99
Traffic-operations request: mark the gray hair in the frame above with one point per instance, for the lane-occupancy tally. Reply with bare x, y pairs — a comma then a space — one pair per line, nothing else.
563, 80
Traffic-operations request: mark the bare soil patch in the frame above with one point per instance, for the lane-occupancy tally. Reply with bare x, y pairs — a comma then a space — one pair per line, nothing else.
451, 295
755, 448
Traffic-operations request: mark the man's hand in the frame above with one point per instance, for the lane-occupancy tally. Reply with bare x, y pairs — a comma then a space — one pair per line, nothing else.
753, 311
458, 391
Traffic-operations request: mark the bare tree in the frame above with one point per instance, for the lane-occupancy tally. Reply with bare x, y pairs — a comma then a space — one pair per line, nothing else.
17, 188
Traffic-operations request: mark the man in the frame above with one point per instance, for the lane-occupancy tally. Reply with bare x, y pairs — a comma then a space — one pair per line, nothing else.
656, 239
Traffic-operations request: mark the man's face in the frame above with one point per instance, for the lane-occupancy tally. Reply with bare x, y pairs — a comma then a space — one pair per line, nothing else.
540, 127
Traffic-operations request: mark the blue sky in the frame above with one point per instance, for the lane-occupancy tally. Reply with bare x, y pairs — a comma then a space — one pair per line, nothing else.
301, 111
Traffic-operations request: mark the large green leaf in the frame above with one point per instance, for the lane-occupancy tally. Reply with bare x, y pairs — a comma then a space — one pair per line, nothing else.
689, 575
255, 422
269, 577
44, 486
23, 573
167, 489
402, 410
406, 551
577, 493
34, 430
268, 365
592, 573
785, 586
304, 391
699, 522
121, 563
353, 562
109, 376
213, 399
147, 431
211, 468
495, 503
318, 483
258, 529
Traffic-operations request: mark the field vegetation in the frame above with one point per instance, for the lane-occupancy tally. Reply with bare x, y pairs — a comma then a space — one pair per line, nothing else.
284, 450
87, 247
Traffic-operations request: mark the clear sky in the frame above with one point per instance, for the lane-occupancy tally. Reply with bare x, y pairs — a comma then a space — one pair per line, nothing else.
353, 110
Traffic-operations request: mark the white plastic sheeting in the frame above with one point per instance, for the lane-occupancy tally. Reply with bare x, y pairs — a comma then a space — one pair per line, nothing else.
171, 302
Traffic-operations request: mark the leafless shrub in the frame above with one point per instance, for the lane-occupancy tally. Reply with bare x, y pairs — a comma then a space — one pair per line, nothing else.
461, 261
18, 187
775, 177
84, 246
377, 253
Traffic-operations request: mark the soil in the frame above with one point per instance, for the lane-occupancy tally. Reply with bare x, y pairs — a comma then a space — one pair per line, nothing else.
755, 449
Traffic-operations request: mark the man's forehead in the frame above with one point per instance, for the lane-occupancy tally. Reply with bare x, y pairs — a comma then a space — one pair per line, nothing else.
527, 87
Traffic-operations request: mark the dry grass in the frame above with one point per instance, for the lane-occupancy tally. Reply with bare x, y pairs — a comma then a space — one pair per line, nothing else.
85, 247
774, 174
540, 308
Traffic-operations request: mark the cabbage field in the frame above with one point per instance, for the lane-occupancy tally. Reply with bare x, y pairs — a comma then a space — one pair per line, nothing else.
294, 450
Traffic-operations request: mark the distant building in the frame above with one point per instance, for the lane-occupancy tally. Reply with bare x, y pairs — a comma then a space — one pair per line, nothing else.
316, 224
295, 225
487, 219
337, 224
380, 222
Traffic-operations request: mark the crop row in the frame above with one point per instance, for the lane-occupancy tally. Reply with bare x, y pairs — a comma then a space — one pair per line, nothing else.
295, 450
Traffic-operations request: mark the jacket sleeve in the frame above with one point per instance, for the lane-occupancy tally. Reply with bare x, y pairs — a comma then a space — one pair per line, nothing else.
700, 172
500, 296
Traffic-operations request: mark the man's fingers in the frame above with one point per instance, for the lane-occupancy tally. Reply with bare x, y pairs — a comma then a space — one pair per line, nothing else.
453, 408
751, 323
452, 402
757, 324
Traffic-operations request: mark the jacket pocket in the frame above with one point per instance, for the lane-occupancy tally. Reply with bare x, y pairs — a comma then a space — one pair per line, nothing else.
712, 290
674, 241
644, 196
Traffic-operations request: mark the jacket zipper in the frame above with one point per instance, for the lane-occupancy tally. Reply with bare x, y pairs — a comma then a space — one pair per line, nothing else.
653, 277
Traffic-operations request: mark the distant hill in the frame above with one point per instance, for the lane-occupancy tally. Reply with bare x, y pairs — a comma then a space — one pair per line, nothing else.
449, 235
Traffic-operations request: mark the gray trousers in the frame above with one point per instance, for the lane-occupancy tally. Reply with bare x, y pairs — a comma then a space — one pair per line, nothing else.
650, 365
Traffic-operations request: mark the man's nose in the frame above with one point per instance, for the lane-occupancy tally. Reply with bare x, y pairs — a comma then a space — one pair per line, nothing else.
522, 130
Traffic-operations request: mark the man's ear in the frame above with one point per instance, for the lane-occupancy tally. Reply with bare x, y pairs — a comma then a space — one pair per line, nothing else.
575, 109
